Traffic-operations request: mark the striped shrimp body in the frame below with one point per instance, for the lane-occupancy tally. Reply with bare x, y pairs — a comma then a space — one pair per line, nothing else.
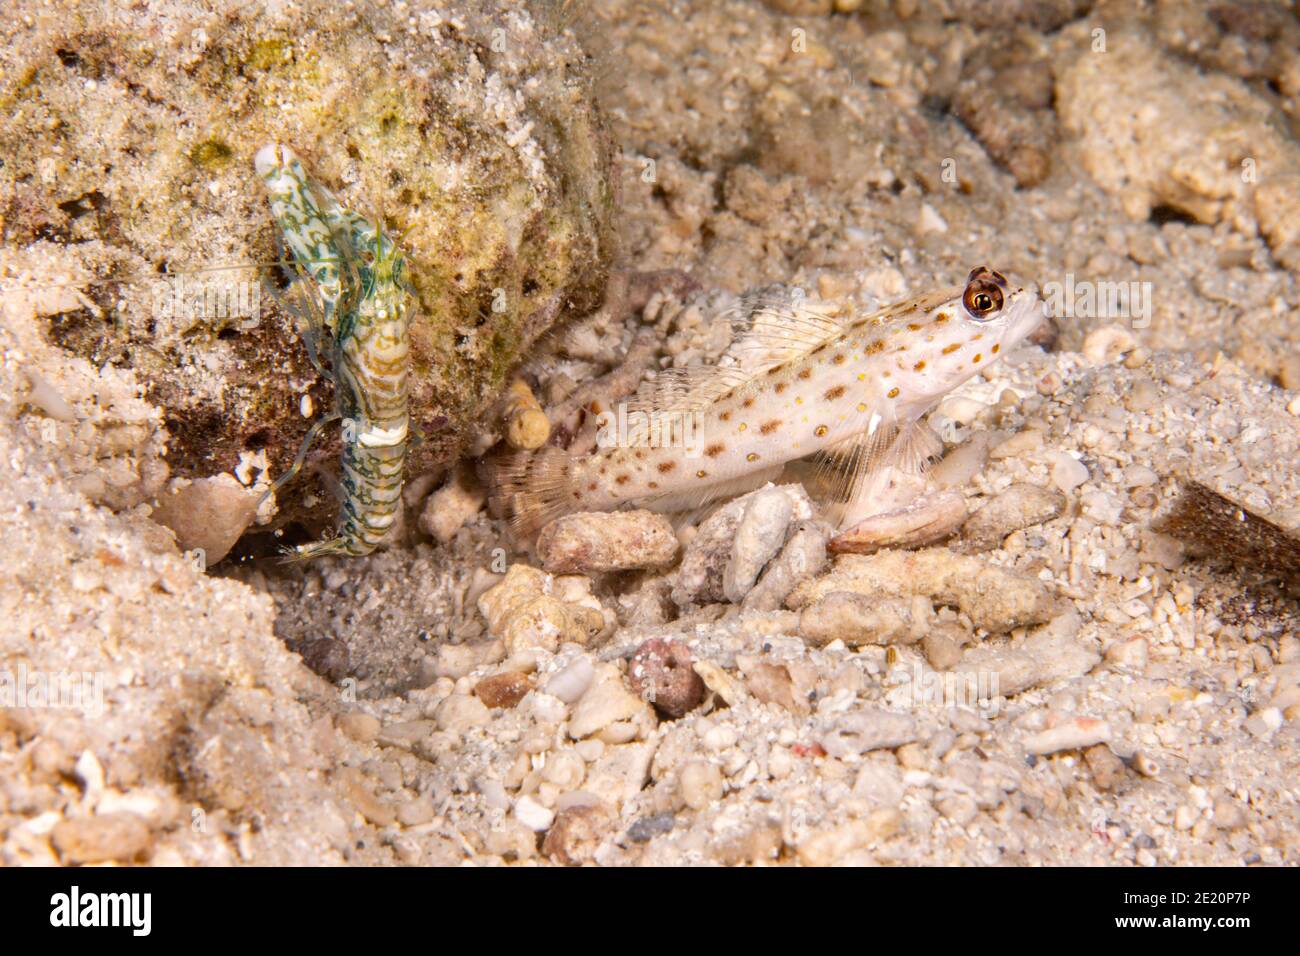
363, 307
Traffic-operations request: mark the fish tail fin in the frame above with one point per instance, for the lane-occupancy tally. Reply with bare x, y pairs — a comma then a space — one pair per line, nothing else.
529, 488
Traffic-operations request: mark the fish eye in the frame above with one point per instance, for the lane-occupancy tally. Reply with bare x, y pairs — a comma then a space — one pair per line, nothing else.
982, 298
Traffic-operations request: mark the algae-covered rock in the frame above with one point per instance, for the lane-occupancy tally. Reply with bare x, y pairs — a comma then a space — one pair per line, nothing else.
128, 136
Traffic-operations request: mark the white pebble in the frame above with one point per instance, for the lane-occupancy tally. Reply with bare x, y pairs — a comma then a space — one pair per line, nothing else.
1108, 344
91, 774
544, 708
700, 784
494, 794
532, 814
1139, 476
572, 682
565, 769
758, 538
720, 738
931, 221
1265, 723
1073, 734
1068, 472
590, 750
1102, 507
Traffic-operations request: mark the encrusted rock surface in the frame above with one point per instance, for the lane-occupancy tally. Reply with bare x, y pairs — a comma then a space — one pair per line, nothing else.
130, 135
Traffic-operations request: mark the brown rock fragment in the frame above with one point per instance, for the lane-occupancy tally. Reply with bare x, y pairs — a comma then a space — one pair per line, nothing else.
857, 620
942, 645
122, 837
591, 542
662, 672
209, 515
526, 425
996, 598
576, 834
1107, 769
1023, 505
503, 690
772, 684
927, 520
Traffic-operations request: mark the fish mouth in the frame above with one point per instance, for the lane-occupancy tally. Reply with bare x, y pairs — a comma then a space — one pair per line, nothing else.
1025, 312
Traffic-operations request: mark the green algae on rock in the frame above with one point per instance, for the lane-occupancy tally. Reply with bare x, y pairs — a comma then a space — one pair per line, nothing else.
128, 139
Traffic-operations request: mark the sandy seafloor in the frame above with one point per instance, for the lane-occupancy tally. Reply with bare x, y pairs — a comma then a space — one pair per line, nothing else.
1150, 705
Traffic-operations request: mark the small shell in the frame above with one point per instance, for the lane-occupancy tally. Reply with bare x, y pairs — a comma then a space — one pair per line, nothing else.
1108, 344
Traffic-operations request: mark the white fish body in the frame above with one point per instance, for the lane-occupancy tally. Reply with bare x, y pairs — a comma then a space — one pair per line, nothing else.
850, 390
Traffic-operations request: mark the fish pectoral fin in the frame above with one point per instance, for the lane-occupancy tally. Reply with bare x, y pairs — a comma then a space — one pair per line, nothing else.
878, 470
916, 447
840, 474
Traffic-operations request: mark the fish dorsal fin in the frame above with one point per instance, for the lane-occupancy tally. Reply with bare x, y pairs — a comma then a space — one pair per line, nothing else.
769, 326
776, 324
687, 389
